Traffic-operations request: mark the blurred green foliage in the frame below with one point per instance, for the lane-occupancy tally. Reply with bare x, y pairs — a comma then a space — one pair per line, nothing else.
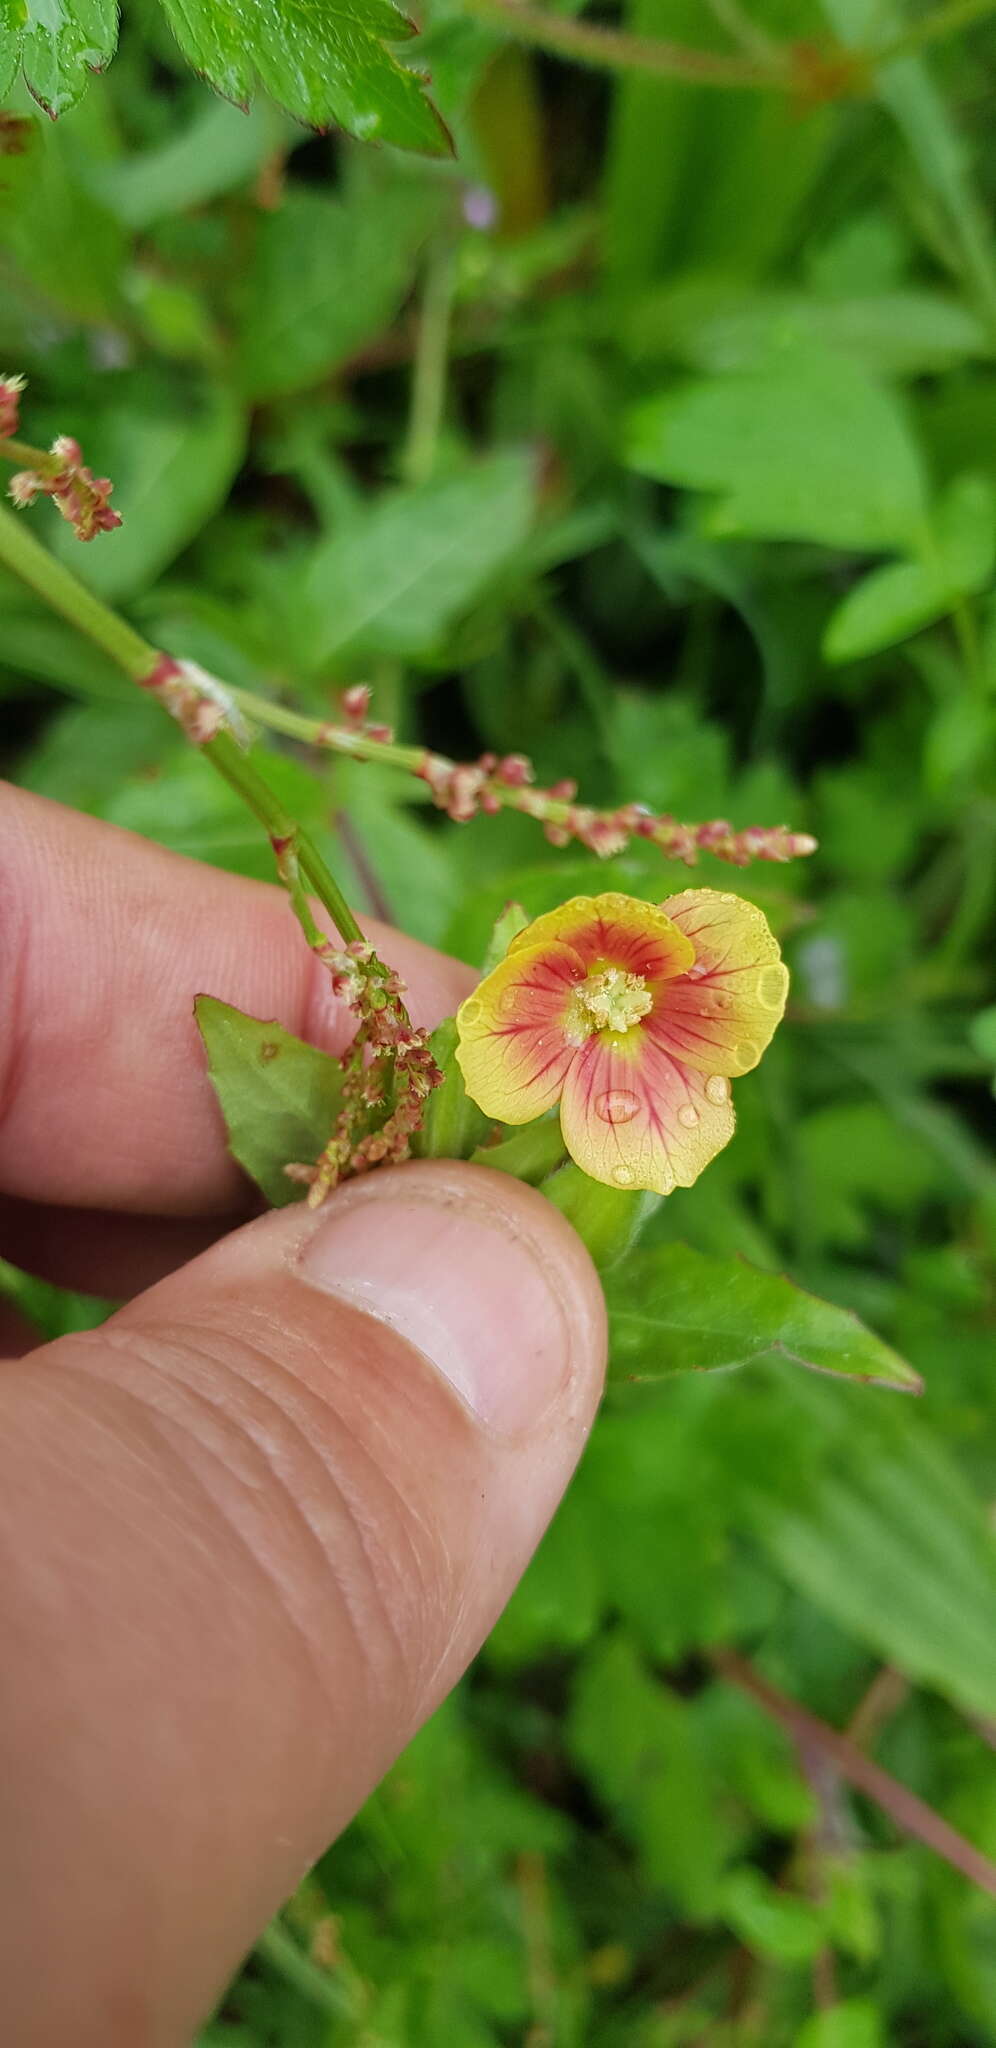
677, 473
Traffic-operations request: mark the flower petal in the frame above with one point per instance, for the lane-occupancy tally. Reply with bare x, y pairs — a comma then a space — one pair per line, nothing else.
512, 1050
723, 1011
633, 1117
615, 931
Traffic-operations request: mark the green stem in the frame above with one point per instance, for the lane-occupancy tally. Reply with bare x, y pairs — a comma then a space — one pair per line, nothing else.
431, 357
934, 28
326, 1992
62, 591
612, 49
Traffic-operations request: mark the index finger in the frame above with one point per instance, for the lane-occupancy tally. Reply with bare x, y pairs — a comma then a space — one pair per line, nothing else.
105, 939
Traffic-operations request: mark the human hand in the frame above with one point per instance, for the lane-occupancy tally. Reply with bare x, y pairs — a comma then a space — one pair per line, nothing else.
254, 1527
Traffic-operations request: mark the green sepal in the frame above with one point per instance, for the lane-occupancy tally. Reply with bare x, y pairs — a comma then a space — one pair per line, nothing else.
452, 1126
531, 1154
608, 1220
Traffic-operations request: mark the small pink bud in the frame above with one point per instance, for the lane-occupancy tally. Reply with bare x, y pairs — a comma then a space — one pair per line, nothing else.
382, 733
356, 703
11, 388
514, 770
24, 487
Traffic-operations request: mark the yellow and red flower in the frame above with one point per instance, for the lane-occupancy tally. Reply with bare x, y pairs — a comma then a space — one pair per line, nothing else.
636, 1018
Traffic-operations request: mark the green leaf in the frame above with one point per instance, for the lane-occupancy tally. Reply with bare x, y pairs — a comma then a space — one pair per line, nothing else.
219, 150
770, 1921
806, 448
171, 466
327, 275
413, 561
279, 1097
674, 1311
58, 43
60, 239
640, 1746
891, 603
326, 61
855, 2023
452, 1125
892, 1543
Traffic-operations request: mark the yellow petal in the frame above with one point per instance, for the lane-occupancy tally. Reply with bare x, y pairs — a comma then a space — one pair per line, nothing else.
613, 931
722, 1013
512, 1049
635, 1118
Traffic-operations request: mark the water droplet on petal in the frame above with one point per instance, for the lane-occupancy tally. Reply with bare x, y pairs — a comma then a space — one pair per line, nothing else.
723, 1000
771, 987
623, 1176
471, 1010
717, 1088
508, 1001
688, 1115
747, 1055
617, 1106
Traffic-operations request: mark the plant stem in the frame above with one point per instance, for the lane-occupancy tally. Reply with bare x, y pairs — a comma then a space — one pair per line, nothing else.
910, 1814
431, 356
59, 588
613, 49
933, 28
64, 593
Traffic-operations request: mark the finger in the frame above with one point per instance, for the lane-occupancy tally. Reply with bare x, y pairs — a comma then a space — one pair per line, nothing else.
250, 1532
102, 1252
105, 939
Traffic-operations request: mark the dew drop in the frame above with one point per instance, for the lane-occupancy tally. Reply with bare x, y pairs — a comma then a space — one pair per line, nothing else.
471, 1010
688, 1115
508, 1001
717, 1088
747, 1055
771, 987
723, 1000
616, 1106
623, 1176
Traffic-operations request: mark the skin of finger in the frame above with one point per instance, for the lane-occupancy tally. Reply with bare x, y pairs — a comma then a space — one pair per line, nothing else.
105, 940
103, 1252
248, 1539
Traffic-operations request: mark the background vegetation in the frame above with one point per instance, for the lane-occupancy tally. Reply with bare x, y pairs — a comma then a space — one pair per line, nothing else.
655, 435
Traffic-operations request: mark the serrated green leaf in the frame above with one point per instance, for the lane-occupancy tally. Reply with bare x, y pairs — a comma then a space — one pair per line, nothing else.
674, 1311
58, 43
805, 448
326, 61
410, 564
278, 1096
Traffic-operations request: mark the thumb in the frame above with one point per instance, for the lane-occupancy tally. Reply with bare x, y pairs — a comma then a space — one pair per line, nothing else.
251, 1530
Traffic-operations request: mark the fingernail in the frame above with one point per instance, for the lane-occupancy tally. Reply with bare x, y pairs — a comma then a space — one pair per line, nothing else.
459, 1280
